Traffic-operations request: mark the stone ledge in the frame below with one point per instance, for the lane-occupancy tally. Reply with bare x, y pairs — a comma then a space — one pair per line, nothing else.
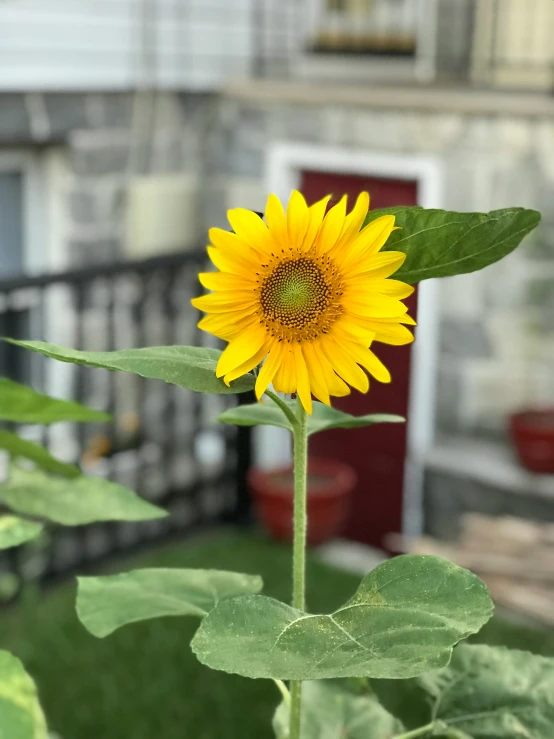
463, 100
489, 463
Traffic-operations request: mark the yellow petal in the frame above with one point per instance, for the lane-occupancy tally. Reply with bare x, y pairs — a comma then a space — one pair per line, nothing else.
316, 216
368, 242
285, 377
388, 332
250, 228
240, 350
225, 281
332, 226
336, 386
373, 306
227, 326
316, 373
344, 366
391, 288
233, 264
297, 219
303, 379
375, 234
367, 359
404, 318
247, 366
276, 221
234, 246
224, 301
378, 266
353, 221
268, 370
395, 335
353, 329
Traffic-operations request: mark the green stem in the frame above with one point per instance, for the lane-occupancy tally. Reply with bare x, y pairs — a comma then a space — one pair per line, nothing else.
300, 516
300, 431
291, 418
417, 732
284, 691
295, 709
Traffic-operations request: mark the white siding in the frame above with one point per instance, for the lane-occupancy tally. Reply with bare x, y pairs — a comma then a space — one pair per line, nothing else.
99, 44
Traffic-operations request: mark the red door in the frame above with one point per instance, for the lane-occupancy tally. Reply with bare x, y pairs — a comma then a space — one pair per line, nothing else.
377, 453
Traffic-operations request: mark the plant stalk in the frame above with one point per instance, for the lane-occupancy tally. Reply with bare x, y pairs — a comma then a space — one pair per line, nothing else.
300, 432
422, 731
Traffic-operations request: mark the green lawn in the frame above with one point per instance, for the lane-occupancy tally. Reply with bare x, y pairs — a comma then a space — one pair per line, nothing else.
143, 682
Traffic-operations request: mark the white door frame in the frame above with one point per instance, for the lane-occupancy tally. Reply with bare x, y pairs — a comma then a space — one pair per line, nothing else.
284, 163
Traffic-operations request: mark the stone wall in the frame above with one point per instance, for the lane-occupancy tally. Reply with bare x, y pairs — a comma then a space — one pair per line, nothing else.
108, 139
497, 327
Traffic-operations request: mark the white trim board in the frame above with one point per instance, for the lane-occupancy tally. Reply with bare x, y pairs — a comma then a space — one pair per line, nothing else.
284, 163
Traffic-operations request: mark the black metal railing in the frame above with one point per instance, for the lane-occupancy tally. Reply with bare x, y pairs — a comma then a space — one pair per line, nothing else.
164, 442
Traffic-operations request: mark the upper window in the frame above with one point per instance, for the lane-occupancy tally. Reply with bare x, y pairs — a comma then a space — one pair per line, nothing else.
367, 26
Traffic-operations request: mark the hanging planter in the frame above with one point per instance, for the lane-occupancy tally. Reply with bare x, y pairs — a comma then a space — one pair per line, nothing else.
330, 484
533, 436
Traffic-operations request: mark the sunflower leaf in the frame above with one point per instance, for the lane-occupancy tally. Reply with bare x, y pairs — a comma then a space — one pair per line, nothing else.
191, 367
18, 447
404, 619
440, 243
104, 604
22, 404
21, 716
75, 501
330, 710
484, 692
266, 413
323, 417
15, 531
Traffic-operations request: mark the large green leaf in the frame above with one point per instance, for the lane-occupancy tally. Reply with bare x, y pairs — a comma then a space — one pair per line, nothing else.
404, 619
18, 447
439, 243
15, 531
485, 692
106, 603
323, 417
22, 404
192, 367
21, 716
331, 711
75, 501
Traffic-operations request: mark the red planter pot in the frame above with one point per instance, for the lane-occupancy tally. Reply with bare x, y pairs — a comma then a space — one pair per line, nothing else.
329, 486
533, 436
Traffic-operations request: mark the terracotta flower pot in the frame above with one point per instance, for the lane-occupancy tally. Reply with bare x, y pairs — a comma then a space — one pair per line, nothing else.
533, 436
329, 486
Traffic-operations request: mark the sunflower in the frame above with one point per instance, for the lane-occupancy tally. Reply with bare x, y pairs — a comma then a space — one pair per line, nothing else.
308, 292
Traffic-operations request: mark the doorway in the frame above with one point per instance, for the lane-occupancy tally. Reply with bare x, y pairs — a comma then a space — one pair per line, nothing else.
388, 458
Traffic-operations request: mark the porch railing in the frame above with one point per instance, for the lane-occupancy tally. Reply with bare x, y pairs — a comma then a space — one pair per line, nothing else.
164, 441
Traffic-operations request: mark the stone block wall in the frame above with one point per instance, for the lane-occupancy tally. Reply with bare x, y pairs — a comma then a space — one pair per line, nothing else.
107, 139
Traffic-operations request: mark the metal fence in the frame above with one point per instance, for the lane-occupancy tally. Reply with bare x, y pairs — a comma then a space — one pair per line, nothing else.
164, 442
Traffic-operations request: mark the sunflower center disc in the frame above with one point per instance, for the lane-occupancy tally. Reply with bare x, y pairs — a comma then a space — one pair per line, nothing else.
295, 293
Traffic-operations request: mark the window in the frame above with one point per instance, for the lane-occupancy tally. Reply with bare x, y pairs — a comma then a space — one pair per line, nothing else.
367, 26
23, 248
11, 223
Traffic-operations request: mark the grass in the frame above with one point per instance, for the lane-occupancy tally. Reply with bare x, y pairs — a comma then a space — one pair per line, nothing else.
143, 682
